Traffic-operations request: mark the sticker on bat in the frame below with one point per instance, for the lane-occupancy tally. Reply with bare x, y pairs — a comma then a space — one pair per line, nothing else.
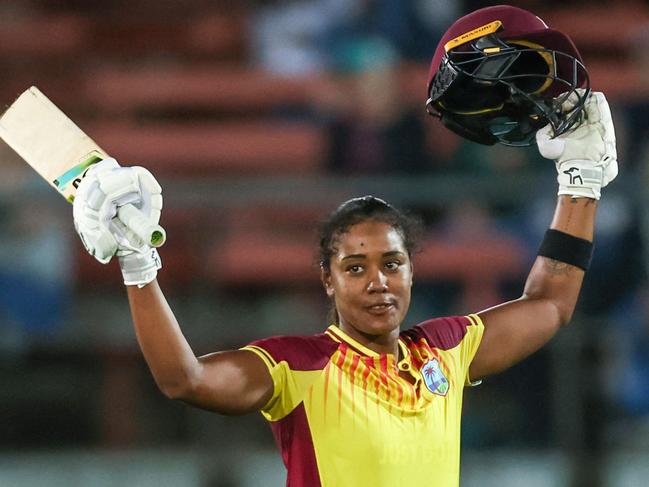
75, 174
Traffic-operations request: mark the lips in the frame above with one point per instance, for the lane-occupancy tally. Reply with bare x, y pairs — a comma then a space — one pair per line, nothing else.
381, 307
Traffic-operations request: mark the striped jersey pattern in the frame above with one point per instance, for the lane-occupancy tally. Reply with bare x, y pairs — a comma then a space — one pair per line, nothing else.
344, 415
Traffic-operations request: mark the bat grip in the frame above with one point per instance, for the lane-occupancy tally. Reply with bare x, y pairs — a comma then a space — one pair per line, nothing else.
133, 218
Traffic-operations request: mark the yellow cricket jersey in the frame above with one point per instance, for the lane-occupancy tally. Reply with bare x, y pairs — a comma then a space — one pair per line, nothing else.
342, 415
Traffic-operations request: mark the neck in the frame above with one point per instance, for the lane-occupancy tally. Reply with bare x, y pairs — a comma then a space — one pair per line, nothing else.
381, 344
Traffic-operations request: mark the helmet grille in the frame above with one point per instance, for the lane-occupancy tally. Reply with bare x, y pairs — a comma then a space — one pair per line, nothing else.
506, 89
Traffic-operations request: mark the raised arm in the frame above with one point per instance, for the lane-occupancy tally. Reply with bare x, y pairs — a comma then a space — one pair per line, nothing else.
230, 382
586, 162
518, 328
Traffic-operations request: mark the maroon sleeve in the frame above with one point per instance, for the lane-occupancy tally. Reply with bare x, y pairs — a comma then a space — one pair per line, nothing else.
300, 352
441, 333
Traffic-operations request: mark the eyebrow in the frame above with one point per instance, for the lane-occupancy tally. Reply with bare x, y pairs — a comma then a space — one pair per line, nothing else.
363, 256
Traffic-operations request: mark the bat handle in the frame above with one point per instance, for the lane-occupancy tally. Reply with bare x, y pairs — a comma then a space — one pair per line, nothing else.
133, 218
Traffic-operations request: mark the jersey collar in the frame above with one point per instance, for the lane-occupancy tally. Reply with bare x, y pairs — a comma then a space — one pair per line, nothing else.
339, 336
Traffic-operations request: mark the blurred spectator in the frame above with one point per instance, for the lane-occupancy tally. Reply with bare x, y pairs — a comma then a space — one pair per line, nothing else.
371, 129
627, 367
295, 37
412, 27
637, 110
287, 37
35, 261
627, 343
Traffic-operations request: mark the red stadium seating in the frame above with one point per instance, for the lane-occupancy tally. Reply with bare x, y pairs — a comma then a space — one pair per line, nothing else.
208, 149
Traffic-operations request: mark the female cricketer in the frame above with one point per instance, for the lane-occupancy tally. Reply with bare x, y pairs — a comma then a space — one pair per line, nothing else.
366, 402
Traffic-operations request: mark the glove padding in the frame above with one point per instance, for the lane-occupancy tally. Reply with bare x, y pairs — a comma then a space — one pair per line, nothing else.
586, 156
105, 188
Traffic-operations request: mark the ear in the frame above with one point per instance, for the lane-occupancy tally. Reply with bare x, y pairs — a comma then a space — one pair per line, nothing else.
325, 278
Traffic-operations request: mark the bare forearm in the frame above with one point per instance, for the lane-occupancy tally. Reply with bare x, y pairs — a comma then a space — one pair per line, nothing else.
555, 282
170, 358
575, 216
586, 161
518, 328
231, 382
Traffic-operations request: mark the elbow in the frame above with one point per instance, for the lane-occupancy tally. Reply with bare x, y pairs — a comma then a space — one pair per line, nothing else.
176, 392
180, 388
565, 308
566, 316
563, 313
558, 311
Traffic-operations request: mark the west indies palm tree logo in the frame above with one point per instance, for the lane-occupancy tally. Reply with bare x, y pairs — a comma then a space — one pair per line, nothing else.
435, 380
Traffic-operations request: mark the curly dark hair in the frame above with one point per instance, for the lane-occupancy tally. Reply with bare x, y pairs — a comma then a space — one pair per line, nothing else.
358, 210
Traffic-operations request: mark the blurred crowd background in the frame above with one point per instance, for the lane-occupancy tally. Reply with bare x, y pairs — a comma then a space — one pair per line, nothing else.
258, 118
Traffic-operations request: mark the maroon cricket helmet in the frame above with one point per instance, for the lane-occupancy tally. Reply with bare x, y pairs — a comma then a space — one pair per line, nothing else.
500, 73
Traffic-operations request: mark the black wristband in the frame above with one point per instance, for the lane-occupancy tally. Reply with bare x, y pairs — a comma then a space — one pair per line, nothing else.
566, 248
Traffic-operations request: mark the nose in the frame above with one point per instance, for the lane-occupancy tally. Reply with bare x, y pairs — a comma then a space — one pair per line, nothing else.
378, 283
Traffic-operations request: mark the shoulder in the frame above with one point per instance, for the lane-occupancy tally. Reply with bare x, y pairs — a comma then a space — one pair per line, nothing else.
300, 352
443, 333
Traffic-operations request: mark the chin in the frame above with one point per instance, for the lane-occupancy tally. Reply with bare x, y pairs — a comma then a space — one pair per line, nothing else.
379, 327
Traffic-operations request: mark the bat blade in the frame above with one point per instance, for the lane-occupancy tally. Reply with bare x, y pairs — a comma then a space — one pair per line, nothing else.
49, 141
60, 152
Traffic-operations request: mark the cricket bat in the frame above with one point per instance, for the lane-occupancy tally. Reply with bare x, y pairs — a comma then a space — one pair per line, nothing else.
62, 153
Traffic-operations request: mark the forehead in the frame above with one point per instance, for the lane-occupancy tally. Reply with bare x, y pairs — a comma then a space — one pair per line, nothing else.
370, 236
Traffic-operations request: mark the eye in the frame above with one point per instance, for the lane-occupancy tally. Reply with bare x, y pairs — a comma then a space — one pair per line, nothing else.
354, 269
392, 265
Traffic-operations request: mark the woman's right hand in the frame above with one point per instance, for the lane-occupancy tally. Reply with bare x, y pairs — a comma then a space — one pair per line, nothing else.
104, 189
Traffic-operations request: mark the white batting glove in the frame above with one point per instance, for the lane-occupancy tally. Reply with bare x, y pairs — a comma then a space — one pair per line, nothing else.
140, 268
105, 188
586, 157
